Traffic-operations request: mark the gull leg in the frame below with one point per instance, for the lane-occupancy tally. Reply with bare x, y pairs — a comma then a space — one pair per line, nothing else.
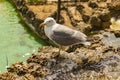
60, 47
57, 54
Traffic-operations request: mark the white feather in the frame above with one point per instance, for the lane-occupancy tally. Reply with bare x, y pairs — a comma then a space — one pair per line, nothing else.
87, 43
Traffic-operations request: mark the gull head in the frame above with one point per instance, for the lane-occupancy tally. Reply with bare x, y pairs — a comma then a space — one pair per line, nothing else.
48, 22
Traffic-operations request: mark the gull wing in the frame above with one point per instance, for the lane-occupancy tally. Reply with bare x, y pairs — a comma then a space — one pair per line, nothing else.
67, 36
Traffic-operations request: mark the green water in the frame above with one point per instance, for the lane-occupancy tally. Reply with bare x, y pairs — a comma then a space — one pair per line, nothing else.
16, 41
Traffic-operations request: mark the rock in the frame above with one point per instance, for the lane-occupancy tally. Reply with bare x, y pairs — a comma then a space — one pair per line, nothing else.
93, 4
106, 25
101, 0
110, 39
83, 27
24, 10
117, 33
95, 23
115, 5
85, 18
20, 2
80, 7
7, 76
84, 0
105, 15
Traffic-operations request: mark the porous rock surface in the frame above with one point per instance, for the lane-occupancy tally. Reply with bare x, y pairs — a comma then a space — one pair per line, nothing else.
85, 63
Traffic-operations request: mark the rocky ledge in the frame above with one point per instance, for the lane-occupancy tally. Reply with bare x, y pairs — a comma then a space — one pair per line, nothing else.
97, 61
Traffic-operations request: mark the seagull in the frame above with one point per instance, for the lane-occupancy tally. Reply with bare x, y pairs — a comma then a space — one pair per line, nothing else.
62, 35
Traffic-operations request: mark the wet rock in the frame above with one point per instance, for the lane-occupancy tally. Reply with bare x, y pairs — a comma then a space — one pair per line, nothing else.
20, 2
36, 22
30, 16
24, 10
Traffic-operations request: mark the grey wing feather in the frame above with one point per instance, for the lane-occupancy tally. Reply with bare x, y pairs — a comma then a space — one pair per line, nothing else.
66, 36
63, 31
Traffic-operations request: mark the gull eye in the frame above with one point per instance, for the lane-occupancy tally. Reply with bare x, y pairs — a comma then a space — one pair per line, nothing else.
50, 20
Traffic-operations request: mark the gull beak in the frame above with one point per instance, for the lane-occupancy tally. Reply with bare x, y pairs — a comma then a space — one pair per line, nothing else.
42, 24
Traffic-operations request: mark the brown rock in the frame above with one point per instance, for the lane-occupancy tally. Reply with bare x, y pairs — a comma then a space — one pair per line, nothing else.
105, 15
84, 0
101, 0
115, 5
95, 23
80, 7
106, 25
83, 27
93, 4
85, 18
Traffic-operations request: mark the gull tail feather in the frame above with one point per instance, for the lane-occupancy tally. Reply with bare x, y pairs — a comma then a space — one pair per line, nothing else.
86, 43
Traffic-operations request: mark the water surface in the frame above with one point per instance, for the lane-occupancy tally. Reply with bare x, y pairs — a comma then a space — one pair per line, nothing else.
17, 42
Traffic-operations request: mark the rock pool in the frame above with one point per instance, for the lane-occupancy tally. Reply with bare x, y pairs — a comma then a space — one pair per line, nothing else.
17, 41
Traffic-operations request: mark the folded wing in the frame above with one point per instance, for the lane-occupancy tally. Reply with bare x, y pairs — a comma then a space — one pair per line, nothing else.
67, 36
